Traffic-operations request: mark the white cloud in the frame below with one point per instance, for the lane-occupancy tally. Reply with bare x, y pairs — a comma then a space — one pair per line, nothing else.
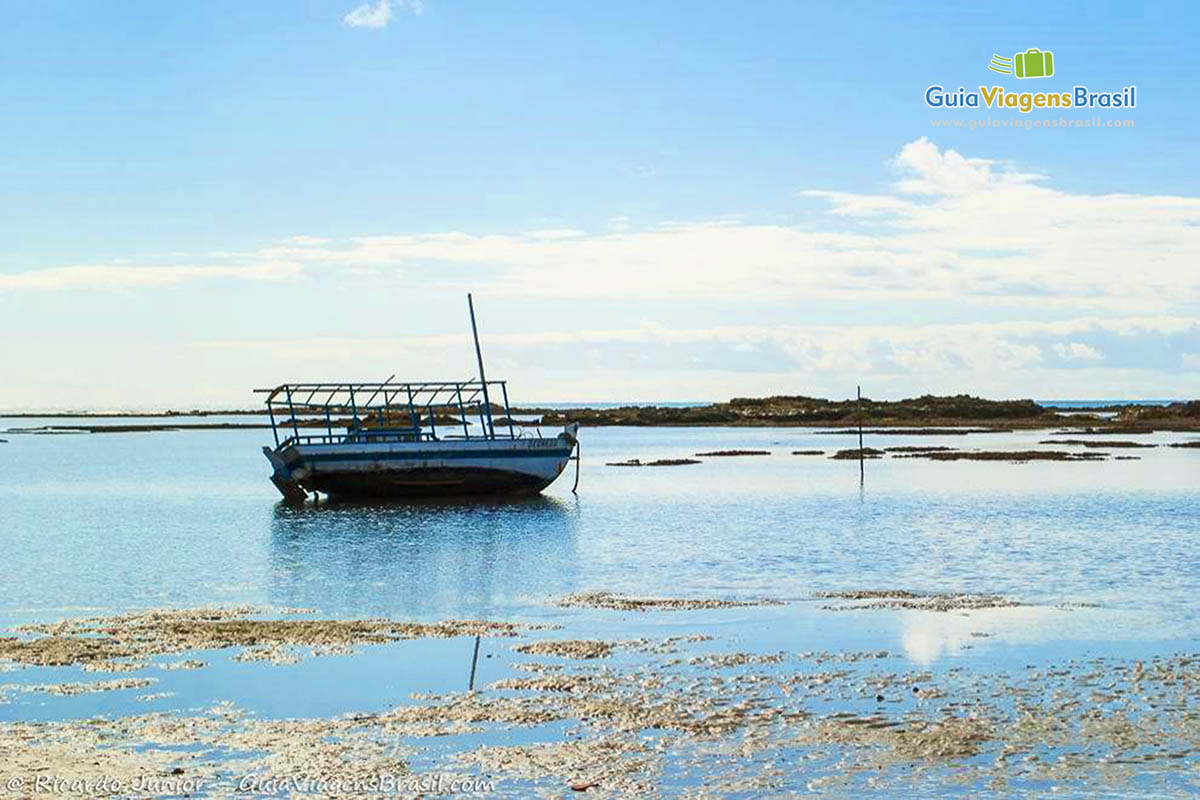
127, 277
932, 171
656, 362
380, 14
861, 205
370, 16
966, 348
951, 228
555, 234
647, 362
1072, 351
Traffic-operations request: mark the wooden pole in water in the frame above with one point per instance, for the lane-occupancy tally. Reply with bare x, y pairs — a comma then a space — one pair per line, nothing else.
474, 661
862, 469
487, 403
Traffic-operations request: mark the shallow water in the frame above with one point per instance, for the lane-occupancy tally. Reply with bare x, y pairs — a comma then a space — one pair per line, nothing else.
119, 521
1104, 556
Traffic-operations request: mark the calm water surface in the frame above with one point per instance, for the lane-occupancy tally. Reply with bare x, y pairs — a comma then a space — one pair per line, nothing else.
117, 521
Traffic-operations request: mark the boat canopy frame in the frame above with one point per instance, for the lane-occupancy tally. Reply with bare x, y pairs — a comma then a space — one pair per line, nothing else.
357, 413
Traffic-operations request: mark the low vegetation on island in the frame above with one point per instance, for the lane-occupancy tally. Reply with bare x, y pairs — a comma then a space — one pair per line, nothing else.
927, 411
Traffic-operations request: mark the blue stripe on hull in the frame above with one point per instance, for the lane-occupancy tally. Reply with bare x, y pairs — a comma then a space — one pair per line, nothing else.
427, 455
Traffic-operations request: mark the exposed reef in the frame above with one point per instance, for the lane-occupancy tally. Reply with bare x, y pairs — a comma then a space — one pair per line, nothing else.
919, 601
616, 602
132, 638
857, 453
724, 722
913, 431
567, 648
1017, 456
1095, 443
141, 428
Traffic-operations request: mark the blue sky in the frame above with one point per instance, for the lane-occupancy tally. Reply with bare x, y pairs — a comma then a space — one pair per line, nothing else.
651, 200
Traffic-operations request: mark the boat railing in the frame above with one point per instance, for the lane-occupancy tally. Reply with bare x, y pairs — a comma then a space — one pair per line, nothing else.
356, 413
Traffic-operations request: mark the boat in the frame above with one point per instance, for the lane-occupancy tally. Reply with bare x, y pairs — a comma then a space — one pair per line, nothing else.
409, 440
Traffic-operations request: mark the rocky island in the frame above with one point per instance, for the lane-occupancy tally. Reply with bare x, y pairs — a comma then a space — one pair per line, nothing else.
927, 411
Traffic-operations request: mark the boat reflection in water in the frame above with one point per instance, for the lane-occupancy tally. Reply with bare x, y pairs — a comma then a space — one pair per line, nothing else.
425, 559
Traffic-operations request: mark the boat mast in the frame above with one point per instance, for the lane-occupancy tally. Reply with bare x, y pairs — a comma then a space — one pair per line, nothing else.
487, 403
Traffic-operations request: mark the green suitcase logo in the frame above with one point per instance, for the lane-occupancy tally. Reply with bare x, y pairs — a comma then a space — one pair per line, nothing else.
1033, 63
